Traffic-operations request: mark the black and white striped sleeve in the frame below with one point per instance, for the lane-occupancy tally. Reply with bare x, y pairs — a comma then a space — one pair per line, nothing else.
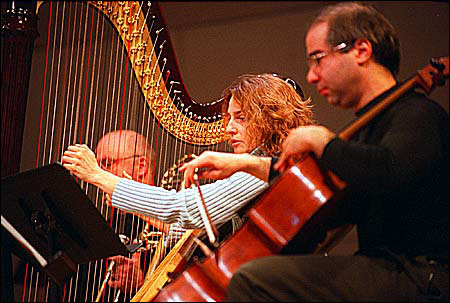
223, 199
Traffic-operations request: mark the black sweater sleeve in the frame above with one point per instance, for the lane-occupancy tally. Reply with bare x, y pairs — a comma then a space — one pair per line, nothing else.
273, 174
404, 143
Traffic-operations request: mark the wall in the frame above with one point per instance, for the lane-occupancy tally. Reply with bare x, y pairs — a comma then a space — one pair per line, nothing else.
217, 41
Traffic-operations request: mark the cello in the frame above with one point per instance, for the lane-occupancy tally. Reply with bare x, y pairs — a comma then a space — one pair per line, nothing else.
311, 197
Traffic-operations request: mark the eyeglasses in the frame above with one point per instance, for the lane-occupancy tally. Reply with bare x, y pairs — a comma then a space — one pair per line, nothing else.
314, 59
107, 163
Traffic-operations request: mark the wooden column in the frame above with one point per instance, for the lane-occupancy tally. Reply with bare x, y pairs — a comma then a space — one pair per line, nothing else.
19, 30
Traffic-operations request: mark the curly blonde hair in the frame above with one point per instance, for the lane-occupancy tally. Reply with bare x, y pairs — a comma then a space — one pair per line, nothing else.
272, 108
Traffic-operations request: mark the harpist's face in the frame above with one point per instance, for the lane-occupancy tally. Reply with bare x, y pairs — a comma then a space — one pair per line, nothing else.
114, 156
237, 128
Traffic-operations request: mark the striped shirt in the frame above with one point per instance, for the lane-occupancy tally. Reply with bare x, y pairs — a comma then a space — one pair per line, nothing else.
223, 199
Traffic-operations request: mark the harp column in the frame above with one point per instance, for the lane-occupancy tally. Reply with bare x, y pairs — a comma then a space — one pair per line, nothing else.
19, 23
19, 30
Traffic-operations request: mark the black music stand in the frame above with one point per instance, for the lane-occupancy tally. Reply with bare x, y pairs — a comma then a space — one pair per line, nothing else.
52, 223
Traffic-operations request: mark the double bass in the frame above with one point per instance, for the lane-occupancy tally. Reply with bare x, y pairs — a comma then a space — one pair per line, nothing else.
310, 197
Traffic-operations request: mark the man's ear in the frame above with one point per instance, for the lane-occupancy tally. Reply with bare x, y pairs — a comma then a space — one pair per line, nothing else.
364, 51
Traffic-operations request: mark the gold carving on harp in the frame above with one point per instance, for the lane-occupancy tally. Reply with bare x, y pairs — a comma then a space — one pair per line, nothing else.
127, 16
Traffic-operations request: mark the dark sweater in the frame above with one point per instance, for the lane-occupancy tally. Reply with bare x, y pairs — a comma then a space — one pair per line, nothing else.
397, 175
397, 172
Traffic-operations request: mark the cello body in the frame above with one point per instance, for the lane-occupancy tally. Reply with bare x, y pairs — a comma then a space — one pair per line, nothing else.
308, 202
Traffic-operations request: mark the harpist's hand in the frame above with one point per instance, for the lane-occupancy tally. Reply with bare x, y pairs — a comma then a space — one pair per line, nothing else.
216, 165
127, 274
81, 161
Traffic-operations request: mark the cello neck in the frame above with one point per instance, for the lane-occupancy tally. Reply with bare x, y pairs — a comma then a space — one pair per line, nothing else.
433, 74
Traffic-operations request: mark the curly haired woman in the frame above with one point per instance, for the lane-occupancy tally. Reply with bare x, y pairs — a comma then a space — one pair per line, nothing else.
260, 112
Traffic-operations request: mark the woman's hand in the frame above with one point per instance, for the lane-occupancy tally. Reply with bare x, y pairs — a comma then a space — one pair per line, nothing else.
302, 140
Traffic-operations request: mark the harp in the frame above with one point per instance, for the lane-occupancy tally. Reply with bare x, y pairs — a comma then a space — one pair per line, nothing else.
96, 67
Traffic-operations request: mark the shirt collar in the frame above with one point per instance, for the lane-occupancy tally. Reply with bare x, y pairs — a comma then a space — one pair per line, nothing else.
258, 152
376, 100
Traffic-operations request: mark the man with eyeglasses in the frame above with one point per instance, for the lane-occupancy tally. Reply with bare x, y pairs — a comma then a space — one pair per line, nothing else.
396, 168
127, 154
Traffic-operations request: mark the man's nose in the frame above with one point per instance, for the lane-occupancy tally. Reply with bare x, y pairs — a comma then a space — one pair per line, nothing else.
312, 76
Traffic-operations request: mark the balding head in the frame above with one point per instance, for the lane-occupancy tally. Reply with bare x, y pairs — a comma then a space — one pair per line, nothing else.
128, 151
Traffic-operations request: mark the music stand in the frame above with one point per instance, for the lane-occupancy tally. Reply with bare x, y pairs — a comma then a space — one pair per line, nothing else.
53, 224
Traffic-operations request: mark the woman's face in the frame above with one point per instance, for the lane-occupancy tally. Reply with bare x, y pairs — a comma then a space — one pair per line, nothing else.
237, 128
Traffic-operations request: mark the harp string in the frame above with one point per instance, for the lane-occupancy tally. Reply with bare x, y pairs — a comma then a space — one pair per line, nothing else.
128, 99
68, 104
43, 91
62, 127
37, 163
84, 132
116, 215
65, 99
56, 104
94, 267
74, 93
52, 128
